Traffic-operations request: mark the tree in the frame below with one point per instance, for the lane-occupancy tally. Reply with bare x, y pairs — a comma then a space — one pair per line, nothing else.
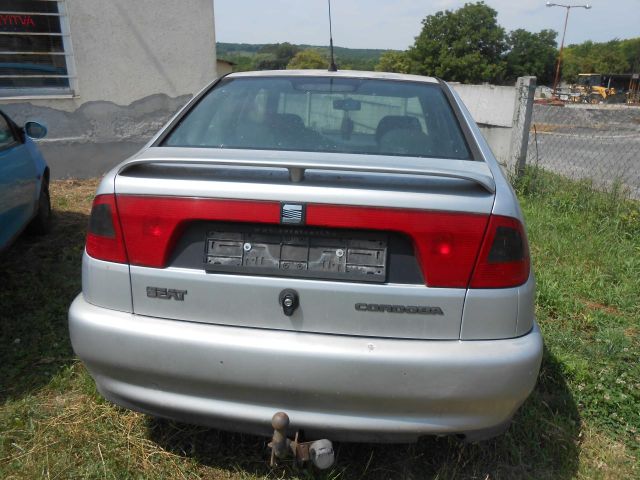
308, 59
611, 58
268, 61
531, 54
465, 45
276, 56
590, 57
394, 62
631, 50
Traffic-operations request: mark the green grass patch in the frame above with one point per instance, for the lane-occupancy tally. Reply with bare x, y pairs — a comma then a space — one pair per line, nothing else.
586, 251
581, 421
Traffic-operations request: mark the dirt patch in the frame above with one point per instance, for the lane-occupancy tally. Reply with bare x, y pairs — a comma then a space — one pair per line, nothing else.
601, 307
74, 195
632, 332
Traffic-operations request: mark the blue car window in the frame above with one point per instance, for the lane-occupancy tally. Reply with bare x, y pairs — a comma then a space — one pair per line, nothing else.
6, 134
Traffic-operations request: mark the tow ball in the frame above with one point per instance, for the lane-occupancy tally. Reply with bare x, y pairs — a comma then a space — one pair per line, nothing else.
320, 452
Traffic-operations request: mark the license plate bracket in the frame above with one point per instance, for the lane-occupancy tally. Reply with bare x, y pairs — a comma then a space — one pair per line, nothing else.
305, 252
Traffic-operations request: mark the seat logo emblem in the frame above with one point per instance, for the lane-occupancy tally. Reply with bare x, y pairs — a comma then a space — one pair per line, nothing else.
292, 214
166, 293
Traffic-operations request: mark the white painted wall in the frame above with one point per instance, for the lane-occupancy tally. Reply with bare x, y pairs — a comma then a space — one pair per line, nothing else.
137, 62
127, 50
499, 139
489, 104
492, 108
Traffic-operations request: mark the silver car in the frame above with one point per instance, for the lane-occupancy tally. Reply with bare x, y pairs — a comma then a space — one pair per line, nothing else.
338, 246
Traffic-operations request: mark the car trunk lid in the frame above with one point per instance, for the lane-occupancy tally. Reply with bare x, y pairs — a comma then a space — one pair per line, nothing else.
215, 236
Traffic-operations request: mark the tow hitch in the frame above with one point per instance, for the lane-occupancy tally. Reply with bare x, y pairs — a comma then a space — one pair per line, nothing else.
319, 452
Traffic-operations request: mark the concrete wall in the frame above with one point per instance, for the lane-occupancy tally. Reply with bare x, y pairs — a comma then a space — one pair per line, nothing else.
137, 62
499, 139
492, 108
489, 104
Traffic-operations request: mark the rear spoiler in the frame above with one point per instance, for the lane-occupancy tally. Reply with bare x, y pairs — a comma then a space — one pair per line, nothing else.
473, 171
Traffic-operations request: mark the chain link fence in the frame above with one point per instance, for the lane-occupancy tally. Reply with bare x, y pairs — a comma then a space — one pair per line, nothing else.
599, 143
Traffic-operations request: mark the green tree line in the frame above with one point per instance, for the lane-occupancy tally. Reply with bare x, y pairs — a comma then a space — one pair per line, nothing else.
468, 45
464, 45
278, 56
615, 56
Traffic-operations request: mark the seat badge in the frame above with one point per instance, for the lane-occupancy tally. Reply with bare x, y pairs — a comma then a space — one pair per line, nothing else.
166, 293
292, 214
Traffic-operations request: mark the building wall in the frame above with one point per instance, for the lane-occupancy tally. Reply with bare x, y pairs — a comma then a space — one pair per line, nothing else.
137, 62
151, 47
223, 67
125, 51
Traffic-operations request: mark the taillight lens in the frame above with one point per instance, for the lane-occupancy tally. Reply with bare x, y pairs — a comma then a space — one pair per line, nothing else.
104, 237
446, 243
152, 225
504, 258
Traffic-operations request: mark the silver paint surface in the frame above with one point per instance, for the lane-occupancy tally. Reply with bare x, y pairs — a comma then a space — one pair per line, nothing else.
228, 357
352, 388
325, 306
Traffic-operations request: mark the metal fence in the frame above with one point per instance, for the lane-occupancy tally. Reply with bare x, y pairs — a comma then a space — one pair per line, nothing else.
599, 143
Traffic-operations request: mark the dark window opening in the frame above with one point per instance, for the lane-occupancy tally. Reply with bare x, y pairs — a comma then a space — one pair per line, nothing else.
32, 47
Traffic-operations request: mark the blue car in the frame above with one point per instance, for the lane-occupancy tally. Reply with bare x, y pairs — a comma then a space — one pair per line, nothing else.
24, 181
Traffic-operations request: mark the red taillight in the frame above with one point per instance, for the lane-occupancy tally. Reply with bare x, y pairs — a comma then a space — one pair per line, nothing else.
152, 225
104, 236
446, 244
504, 258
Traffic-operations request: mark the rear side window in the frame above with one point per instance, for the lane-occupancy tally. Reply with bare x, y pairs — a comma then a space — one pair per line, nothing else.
317, 114
6, 134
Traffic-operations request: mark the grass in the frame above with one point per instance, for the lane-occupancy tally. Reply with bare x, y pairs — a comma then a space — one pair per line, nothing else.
582, 421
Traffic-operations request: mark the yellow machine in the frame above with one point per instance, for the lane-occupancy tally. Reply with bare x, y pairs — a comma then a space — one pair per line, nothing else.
605, 88
593, 88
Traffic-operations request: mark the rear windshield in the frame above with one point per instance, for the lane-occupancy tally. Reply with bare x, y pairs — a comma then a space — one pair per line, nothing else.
317, 114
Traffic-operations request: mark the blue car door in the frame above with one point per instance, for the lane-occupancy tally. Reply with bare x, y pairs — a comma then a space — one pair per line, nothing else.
18, 184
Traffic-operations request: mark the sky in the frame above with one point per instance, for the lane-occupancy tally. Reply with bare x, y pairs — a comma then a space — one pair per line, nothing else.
393, 24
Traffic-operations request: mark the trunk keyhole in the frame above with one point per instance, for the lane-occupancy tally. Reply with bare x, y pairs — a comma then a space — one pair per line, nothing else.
289, 301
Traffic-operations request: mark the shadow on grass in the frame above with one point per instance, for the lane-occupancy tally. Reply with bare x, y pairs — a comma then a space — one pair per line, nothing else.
39, 278
542, 442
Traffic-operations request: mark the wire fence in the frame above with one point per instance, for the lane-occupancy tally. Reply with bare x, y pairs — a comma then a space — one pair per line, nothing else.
597, 143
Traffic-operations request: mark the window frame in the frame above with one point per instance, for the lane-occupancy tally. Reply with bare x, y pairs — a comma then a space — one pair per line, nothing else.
34, 93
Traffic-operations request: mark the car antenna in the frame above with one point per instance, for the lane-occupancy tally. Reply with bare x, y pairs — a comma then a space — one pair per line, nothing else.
332, 67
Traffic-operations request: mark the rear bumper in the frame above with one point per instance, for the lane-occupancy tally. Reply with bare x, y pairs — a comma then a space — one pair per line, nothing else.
342, 387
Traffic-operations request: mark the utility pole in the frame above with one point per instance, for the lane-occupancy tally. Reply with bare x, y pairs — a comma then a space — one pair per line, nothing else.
566, 20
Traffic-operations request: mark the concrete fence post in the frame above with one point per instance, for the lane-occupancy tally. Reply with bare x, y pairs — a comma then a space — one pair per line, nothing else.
522, 115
